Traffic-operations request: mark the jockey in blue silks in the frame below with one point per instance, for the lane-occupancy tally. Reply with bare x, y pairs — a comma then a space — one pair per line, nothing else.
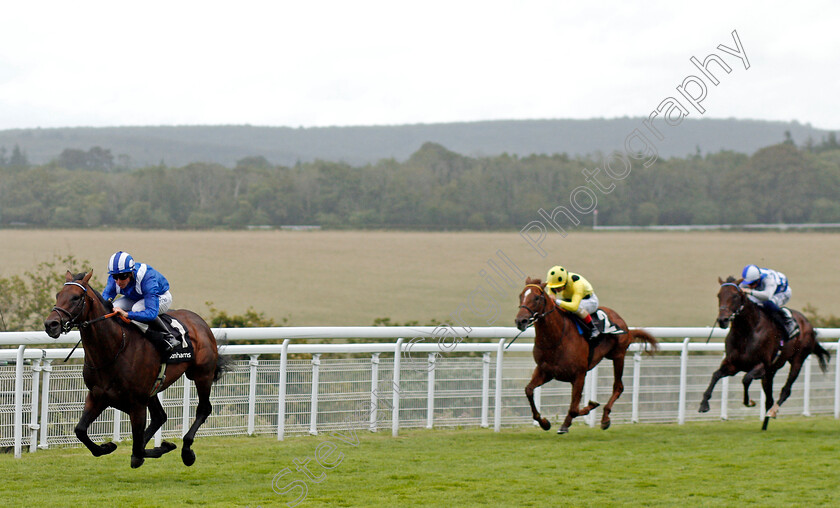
144, 296
769, 289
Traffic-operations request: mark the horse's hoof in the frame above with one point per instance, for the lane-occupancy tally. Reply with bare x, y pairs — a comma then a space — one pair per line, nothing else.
136, 462
188, 456
704, 408
751, 403
593, 405
107, 448
605, 425
545, 424
563, 430
167, 447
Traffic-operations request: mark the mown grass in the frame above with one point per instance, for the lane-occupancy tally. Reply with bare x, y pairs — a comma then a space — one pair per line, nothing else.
345, 278
732, 463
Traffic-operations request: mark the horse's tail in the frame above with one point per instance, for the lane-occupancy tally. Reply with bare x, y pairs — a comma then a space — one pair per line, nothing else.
223, 364
645, 337
822, 355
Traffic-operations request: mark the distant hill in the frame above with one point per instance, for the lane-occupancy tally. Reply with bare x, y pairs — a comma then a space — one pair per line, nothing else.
181, 145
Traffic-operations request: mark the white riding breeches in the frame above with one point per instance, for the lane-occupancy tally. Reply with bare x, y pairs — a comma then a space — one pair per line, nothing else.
587, 306
779, 299
164, 303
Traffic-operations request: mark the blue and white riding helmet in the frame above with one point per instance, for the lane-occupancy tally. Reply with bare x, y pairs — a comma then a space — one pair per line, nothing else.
120, 262
752, 274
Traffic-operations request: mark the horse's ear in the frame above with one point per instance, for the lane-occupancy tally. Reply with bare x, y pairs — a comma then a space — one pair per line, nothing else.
720, 281
68, 276
528, 280
86, 278
739, 281
542, 286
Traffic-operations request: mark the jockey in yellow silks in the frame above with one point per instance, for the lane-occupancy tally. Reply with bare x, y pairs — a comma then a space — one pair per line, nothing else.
574, 294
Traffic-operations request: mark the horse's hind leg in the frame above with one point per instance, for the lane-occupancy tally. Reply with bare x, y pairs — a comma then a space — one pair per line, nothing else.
158, 418
756, 373
795, 367
202, 411
93, 408
618, 389
537, 379
726, 369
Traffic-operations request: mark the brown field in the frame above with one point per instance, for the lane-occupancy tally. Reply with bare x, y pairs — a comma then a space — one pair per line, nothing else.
350, 277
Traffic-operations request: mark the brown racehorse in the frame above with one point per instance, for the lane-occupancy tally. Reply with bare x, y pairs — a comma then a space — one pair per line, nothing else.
752, 346
562, 353
121, 367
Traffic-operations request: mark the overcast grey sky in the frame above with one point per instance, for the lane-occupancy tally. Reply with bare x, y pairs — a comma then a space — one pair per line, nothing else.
320, 63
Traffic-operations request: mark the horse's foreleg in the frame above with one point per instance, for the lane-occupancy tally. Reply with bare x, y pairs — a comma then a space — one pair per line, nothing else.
158, 418
537, 379
618, 389
726, 369
137, 416
93, 408
755, 373
574, 407
202, 411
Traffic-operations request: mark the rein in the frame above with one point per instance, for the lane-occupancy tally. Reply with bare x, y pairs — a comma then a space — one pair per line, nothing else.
534, 317
736, 312
73, 317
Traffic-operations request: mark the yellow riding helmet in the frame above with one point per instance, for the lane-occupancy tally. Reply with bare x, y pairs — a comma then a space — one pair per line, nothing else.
556, 278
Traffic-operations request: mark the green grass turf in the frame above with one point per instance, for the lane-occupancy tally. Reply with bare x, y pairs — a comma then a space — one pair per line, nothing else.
733, 463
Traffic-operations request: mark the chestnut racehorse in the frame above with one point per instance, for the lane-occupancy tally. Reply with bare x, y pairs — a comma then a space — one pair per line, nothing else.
752, 346
121, 367
562, 353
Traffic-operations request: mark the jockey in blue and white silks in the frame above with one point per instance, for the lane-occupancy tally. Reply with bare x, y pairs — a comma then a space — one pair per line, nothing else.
769, 289
144, 296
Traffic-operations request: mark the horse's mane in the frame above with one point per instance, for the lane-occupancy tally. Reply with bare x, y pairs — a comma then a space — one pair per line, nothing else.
534, 281
109, 306
731, 279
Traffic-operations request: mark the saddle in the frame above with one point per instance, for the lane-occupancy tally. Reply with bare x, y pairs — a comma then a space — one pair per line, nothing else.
601, 321
184, 351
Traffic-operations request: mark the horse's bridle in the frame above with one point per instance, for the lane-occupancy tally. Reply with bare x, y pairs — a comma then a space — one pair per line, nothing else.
739, 309
72, 319
535, 316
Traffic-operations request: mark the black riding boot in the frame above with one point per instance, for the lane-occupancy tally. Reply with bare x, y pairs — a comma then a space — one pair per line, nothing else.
780, 319
594, 330
791, 326
160, 338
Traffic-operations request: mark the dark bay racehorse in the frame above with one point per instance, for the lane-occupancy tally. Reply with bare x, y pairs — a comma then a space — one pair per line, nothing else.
121, 367
752, 346
562, 353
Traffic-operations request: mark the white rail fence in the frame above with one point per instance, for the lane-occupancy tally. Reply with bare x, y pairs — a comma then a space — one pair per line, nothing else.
427, 377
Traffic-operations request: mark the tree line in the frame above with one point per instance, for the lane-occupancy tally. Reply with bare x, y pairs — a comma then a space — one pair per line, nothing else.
435, 188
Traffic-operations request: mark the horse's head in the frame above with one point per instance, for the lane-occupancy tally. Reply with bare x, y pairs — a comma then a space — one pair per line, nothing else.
731, 300
70, 305
533, 303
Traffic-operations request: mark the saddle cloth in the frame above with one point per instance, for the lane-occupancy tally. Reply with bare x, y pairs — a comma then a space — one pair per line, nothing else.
183, 352
601, 320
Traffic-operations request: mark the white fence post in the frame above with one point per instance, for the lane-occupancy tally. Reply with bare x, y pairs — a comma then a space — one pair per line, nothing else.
497, 414
485, 389
395, 411
282, 378
253, 363
537, 401
313, 408
837, 381
637, 385
430, 391
591, 391
185, 406
33, 414
806, 403
374, 390
724, 397
683, 381
45, 403
159, 433
18, 432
